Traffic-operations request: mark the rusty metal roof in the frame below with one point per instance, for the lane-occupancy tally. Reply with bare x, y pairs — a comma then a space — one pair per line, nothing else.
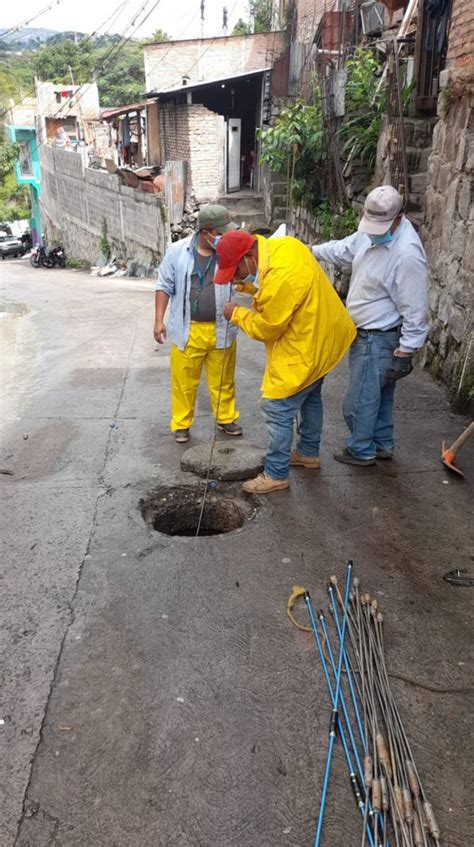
182, 89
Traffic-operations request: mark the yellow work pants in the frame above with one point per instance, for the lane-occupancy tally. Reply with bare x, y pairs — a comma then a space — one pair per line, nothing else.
186, 367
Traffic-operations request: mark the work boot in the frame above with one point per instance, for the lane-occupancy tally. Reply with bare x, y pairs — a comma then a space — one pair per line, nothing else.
230, 429
383, 454
181, 436
299, 461
263, 484
348, 459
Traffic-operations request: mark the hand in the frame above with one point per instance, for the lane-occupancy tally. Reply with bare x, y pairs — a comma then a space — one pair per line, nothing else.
401, 366
229, 310
159, 332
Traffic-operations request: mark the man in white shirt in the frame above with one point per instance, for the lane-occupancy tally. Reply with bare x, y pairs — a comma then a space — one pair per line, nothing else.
388, 302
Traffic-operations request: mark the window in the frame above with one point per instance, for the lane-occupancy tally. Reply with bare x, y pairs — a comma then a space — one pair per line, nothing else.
26, 163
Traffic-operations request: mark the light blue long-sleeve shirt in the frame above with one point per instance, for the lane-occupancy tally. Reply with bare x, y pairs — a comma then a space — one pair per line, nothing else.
174, 278
389, 283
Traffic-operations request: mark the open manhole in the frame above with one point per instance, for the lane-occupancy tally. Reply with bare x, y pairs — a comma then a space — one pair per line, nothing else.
175, 511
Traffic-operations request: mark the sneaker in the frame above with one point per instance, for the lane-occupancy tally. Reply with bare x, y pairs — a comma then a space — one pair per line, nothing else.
383, 454
181, 436
299, 461
263, 484
348, 459
230, 429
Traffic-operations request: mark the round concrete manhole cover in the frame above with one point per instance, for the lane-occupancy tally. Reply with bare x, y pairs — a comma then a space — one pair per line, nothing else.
175, 510
230, 462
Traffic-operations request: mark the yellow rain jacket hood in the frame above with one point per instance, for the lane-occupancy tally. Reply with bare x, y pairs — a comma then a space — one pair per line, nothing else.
298, 315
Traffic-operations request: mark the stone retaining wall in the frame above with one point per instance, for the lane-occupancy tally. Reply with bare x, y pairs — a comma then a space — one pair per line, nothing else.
448, 235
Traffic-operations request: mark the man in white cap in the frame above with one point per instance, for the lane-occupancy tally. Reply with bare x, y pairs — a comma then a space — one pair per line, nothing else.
388, 302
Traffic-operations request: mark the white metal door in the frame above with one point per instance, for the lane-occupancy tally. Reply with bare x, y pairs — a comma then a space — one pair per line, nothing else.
233, 154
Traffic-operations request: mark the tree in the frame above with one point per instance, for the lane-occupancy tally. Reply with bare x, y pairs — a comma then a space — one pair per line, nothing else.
123, 79
261, 12
158, 37
56, 62
241, 28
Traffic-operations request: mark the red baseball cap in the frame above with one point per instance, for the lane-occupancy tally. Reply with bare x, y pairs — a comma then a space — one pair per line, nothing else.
230, 250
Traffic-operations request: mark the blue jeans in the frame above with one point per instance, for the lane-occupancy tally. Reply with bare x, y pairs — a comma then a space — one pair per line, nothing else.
280, 417
368, 404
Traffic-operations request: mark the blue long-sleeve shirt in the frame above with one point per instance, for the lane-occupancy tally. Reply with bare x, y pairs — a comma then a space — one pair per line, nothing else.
389, 283
174, 278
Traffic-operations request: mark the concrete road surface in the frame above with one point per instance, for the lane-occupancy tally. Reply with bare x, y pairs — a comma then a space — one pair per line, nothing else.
154, 691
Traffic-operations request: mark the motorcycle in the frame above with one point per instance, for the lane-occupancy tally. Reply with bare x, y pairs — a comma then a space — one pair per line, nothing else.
35, 254
50, 257
47, 257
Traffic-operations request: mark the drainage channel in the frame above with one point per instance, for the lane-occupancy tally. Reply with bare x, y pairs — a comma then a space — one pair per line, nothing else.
174, 510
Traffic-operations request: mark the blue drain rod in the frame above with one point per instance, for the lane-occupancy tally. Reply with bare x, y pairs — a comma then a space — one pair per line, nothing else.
334, 715
349, 674
355, 783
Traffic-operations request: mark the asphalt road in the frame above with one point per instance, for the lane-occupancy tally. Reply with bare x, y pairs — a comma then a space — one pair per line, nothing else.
154, 691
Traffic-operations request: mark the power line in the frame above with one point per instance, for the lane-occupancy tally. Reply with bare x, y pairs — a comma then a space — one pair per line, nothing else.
110, 56
82, 42
25, 23
179, 38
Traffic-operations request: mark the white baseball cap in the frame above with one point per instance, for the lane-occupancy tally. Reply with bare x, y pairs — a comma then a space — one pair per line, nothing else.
381, 207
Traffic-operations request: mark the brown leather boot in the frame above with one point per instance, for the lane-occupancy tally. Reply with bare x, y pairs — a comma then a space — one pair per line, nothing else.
263, 484
299, 461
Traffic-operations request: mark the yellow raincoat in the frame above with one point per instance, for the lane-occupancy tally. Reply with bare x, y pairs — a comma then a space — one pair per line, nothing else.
298, 315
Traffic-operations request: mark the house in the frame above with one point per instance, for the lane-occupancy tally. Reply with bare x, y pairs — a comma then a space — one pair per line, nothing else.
21, 127
66, 114
210, 97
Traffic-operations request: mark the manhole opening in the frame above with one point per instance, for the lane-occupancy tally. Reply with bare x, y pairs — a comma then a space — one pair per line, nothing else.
175, 511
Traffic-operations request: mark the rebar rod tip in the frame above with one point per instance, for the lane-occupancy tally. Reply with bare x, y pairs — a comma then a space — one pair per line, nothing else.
380, 617
321, 614
356, 582
333, 580
307, 595
375, 604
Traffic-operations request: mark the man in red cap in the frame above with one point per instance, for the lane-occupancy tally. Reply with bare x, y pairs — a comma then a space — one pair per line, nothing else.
306, 330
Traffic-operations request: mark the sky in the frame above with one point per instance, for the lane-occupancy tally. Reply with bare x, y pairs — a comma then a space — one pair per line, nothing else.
179, 18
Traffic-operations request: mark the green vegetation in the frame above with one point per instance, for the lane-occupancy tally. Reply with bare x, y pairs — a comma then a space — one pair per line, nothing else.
118, 68
260, 13
298, 146
14, 199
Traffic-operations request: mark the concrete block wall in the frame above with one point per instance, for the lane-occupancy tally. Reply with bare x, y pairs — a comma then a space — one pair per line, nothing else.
210, 58
77, 200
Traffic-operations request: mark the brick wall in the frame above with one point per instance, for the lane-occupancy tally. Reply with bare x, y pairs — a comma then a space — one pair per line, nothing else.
461, 35
206, 137
209, 58
75, 202
174, 136
195, 134
309, 13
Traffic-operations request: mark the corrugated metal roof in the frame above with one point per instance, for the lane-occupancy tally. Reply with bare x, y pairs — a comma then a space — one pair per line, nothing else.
196, 85
131, 107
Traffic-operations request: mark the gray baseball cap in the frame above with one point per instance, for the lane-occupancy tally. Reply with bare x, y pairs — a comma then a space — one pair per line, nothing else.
217, 217
381, 207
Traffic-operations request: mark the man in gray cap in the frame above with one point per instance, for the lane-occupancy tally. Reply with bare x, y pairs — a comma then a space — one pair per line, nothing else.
388, 302
199, 333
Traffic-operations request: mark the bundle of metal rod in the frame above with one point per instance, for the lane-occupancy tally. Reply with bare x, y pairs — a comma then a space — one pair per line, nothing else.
395, 804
